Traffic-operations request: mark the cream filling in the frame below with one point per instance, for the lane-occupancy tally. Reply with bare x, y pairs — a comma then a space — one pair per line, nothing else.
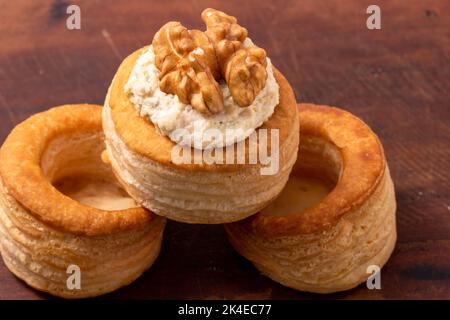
183, 124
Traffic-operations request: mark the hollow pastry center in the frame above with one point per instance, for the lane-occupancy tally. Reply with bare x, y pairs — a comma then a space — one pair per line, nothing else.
104, 195
73, 165
299, 194
314, 176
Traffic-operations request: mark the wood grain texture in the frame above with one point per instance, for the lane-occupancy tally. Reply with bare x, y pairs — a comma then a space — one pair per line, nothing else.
397, 79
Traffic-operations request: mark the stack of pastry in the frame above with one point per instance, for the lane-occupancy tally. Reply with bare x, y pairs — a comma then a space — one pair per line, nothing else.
198, 127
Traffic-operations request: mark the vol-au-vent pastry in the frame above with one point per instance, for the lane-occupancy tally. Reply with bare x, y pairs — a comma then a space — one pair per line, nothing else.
334, 223
66, 225
199, 125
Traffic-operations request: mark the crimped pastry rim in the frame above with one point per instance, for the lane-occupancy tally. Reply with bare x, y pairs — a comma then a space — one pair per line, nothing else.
22, 175
363, 167
138, 135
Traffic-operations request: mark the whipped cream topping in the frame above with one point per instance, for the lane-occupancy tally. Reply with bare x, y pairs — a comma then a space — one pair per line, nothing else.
185, 125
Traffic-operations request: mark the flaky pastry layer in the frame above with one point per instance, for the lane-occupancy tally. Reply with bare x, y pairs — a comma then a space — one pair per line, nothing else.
196, 196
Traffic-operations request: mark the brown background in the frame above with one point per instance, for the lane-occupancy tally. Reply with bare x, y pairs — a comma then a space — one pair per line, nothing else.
397, 79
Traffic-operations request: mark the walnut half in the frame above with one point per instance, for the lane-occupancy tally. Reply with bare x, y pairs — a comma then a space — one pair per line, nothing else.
244, 69
191, 62
185, 68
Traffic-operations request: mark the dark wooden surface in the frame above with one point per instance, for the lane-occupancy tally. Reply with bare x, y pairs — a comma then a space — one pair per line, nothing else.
397, 79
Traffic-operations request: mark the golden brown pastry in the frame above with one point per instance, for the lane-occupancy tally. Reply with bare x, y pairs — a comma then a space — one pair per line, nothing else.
148, 101
61, 207
336, 216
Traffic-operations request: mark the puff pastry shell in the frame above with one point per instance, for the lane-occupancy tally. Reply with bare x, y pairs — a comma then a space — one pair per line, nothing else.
193, 193
328, 247
43, 232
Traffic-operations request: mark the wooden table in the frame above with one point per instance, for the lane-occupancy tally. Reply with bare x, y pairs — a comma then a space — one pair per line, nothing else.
397, 79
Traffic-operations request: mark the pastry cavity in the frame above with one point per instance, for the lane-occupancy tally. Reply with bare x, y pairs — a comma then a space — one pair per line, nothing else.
299, 194
171, 116
104, 195
73, 165
313, 177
